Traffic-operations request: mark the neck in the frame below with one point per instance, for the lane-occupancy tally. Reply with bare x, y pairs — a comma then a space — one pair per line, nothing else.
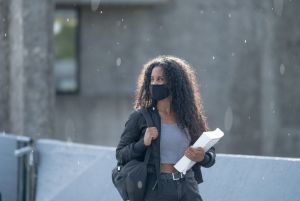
164, 105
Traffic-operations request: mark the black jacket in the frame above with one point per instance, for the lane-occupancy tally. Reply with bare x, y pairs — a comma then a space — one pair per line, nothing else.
131, 145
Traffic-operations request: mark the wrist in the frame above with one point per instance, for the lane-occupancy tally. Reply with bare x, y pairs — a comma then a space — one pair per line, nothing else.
206, 158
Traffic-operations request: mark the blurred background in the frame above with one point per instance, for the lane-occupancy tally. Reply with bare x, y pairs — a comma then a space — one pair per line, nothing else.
68, 68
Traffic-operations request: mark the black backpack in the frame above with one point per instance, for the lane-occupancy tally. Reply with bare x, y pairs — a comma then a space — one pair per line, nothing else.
130, 179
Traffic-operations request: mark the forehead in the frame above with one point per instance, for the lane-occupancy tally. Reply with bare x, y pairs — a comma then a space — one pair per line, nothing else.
157, 71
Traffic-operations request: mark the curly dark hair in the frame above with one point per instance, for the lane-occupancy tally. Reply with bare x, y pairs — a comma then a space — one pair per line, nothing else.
186, 99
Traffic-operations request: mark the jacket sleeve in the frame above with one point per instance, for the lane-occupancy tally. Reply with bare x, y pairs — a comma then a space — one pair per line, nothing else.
209, 158
131, 145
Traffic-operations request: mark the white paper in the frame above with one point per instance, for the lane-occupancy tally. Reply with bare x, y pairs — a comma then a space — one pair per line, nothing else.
206, 141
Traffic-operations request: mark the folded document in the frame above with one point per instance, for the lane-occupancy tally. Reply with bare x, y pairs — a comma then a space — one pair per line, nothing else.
206, 141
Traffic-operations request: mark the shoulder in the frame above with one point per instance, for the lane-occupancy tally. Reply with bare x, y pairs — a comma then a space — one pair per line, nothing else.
138, 116
138, 113
135, 114
135, 117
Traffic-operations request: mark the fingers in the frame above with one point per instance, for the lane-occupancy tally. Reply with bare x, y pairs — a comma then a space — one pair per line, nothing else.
190, 153
195, 154
199, 149
152, 132
196, 150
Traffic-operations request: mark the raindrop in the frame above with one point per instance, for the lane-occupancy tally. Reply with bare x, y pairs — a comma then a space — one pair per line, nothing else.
272, 105
140, 184
78, 163
69, 141
122, 20
118, 61
5, 35
229, 15
201, 11
288, 134
125, 27
282, 69
117, 43
249, 117
233, 54
101, 11
245, 41
70, 130
228, 119
278, 6
213, 57
263, 178
95, 4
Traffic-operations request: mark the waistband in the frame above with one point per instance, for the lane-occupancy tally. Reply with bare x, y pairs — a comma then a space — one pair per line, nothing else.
175, 175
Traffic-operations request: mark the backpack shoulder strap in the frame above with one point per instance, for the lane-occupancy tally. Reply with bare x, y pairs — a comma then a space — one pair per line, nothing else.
150, 123
147, 116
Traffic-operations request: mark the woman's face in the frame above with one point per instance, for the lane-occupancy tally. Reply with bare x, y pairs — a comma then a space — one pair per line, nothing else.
157, 76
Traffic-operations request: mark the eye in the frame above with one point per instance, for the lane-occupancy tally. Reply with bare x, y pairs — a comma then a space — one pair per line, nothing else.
161, 79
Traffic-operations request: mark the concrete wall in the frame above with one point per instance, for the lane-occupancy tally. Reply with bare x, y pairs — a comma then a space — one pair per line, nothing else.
233, 47
286, 44
245, 58
67, 167
92, 119
27, 88
3, 65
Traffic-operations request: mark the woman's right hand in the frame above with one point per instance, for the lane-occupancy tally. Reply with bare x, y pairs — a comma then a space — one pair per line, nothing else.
150, 134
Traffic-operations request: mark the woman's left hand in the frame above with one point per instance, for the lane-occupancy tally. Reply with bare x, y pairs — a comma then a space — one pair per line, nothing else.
195, 154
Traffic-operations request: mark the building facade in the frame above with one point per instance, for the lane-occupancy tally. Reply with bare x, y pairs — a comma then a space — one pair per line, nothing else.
245, 54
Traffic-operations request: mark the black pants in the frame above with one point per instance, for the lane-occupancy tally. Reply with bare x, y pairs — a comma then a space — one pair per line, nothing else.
185, 189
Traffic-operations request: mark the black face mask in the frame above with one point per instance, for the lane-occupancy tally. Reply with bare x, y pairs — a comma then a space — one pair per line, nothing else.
159, 92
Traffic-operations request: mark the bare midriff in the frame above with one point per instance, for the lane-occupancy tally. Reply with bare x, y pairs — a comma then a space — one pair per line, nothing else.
167, 168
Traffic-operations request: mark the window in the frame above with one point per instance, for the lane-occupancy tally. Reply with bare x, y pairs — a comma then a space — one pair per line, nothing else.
65, 28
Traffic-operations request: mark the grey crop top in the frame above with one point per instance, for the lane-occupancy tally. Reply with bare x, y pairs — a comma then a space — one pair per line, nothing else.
173, 143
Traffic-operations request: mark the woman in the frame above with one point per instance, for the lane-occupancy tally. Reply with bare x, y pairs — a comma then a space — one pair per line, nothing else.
167, 87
